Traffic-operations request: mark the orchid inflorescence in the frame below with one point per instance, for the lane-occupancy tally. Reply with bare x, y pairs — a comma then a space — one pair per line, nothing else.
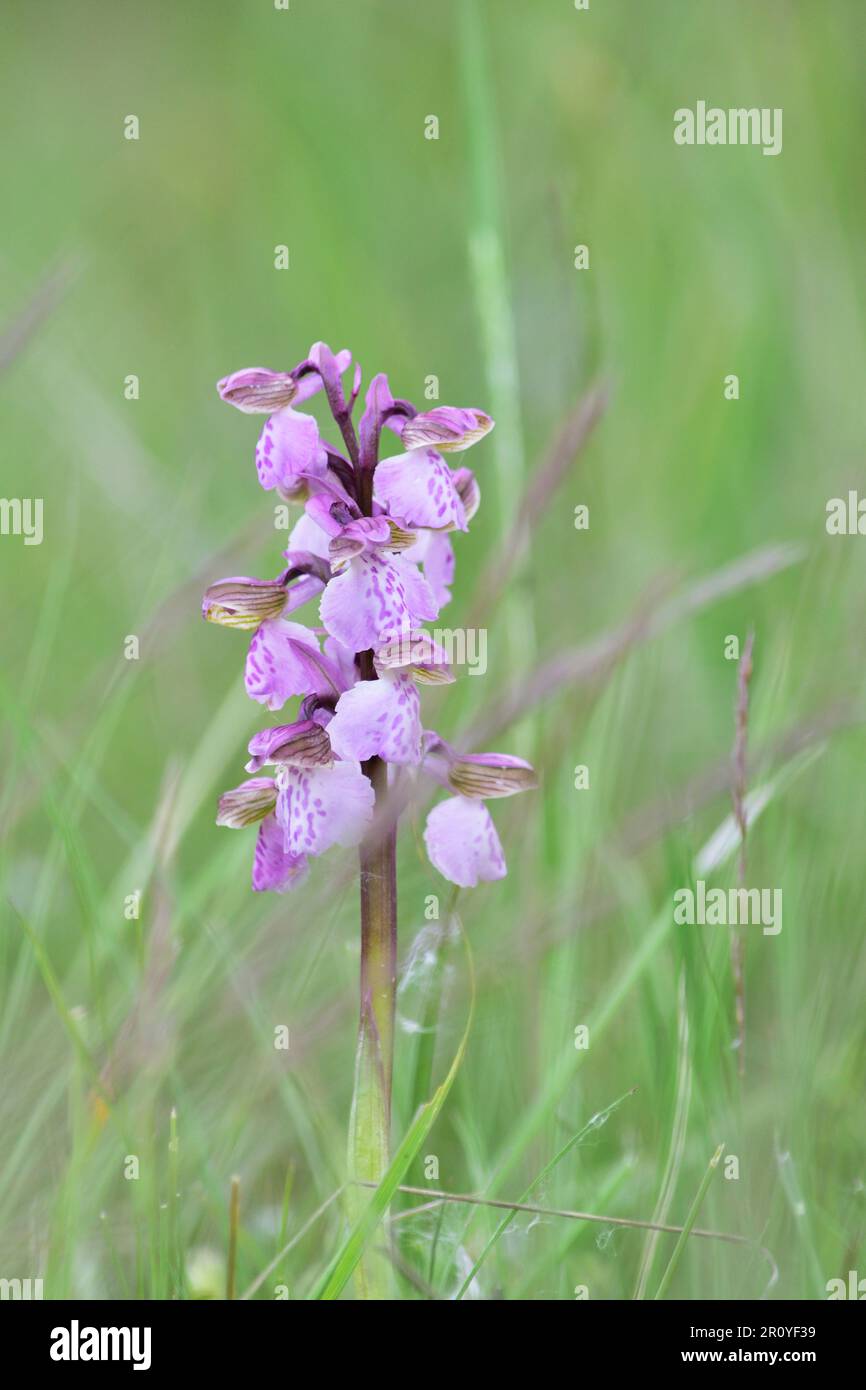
374, 540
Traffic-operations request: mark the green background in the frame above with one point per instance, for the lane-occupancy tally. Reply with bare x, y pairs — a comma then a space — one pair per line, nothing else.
449, 257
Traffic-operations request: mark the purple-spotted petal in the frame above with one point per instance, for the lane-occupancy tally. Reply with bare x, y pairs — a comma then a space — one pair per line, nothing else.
418, 487
380, 718
320, 807
373, 598
280, 663
462, 842
275, 871
289, 452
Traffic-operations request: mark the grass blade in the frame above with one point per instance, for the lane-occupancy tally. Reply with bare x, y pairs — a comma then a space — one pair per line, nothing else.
690, 1221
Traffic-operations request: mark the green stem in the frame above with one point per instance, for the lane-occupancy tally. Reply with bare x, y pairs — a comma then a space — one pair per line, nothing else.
370, 1125
379, 925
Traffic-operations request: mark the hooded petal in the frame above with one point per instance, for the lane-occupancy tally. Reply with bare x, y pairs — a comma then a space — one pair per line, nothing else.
380, 718
372, 598
274, 870
256, 390
447, 428
414, 653
243, 603
289, 452
280, 663
363, 533
248, 803
490, 774
304, 744
462, 842
418, 487
320, 807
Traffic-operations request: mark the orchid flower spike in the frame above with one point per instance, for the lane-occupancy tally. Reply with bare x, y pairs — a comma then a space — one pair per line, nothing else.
373, 545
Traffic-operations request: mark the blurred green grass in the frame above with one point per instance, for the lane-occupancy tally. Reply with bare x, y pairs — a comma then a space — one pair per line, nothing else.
307, 128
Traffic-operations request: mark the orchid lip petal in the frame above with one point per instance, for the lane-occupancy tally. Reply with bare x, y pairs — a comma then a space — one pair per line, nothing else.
290, 454
374, 597
281, 662
274, 870
323, 806
380, 718
418, 487
462, 842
